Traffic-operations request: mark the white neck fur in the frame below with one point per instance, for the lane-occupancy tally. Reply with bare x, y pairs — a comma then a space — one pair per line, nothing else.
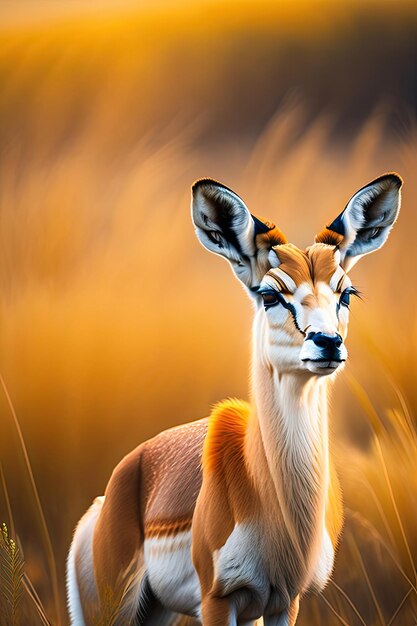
291, 410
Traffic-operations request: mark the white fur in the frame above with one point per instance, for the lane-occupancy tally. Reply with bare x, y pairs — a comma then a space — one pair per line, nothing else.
291, 409
287, 280
80, 563
324, 566
171, 573
337, 277
73, 595
238, 563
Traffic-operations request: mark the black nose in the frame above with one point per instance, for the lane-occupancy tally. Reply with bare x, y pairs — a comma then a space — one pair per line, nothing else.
327, 342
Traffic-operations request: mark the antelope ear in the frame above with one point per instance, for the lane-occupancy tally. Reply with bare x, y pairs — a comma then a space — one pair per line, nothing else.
365, 223
224, 225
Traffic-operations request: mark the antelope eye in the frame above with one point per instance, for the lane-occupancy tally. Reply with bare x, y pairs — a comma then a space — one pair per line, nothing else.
270, 298
345, 298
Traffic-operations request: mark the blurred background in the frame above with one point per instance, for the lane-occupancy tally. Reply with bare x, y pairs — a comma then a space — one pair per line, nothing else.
115, 323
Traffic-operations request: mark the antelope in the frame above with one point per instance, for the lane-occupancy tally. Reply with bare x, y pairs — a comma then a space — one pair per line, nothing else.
234, 517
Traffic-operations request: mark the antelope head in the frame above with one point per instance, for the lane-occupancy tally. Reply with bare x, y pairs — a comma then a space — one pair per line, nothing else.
301, 297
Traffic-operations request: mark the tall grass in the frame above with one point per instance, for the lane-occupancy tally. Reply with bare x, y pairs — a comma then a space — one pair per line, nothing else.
104, 287
11, 577
9, 545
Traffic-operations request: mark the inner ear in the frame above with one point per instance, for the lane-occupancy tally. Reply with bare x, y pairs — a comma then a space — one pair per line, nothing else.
222, 220
225, 226
366, 221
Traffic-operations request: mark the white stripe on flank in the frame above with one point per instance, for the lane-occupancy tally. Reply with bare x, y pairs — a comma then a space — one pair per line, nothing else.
171, 573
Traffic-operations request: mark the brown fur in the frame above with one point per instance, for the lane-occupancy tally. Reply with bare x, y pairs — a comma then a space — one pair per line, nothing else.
226, 432
323, 262
145, 498
225, 490
294, 262
316, 264
329, 237
118, 534
167, 529
273, 237
236, 487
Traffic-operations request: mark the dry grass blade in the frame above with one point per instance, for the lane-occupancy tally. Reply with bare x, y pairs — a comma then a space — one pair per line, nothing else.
31, 591
366, 403
394, 504
399, 607
47, 538
380, 508
349, 601
11, 578
368, 582
372, 531
7, 499
403, 403
333, 610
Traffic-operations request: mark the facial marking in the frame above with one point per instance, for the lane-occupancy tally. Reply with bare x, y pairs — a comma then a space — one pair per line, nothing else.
284, 282
308, 285
339, 281
294, 263
318, 264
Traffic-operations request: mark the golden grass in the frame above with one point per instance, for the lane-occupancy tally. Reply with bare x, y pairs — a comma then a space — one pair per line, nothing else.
112, 318
9, 545
11, 579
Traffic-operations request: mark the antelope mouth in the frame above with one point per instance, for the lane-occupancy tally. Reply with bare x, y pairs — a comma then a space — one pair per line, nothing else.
323, 366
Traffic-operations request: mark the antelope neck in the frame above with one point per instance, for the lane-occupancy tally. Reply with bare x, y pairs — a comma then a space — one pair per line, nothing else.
289, 430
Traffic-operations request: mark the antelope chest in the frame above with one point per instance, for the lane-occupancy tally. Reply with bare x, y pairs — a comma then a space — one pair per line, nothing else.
238, 563
253, 572
266, 570
242, 574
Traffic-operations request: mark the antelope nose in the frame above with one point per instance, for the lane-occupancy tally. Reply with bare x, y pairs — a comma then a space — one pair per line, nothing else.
327, 342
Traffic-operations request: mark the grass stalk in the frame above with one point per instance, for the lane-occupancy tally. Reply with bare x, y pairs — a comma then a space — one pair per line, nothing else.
368, 583
32, 593
333, 610
42, 519
7, 500
11, 578
399, 607
349, 601
394, 504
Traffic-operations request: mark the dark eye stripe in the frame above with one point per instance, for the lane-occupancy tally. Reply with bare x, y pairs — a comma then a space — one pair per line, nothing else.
279, 299
340, 283
344, 299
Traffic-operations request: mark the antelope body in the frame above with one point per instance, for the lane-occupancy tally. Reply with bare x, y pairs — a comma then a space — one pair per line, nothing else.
232, 518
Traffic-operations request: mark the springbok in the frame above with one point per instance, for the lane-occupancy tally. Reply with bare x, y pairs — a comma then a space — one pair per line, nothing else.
234, 517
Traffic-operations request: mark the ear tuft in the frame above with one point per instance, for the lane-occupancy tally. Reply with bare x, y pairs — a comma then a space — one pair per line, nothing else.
329, 237
267, 234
